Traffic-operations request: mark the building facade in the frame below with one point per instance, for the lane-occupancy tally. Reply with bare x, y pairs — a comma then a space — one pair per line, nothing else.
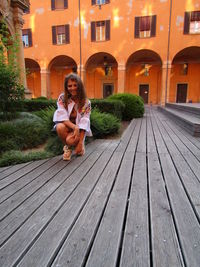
150, 48
11, 11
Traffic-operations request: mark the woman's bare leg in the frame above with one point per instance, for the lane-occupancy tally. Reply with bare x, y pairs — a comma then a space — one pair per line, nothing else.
62, 132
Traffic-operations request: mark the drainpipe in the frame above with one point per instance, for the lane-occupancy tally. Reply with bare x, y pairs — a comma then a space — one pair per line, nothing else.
79, 9
168, 47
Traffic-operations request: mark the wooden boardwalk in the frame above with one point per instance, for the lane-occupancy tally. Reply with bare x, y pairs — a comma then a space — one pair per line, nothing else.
128, 202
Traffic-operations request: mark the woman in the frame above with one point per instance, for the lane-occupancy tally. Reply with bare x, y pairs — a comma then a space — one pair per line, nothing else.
72, 117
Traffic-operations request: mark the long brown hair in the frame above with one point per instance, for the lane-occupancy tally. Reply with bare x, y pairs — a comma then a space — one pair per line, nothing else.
81, 95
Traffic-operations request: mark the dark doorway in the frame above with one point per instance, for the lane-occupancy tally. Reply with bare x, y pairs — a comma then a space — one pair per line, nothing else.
144, 92
181, 95
108, 89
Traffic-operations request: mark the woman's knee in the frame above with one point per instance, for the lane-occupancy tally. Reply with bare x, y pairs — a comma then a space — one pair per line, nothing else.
60, 128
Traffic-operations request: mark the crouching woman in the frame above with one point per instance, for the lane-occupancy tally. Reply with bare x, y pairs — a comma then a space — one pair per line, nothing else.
72, 117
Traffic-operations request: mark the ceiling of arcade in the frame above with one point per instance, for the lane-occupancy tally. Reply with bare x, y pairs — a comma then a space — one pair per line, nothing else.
189, 54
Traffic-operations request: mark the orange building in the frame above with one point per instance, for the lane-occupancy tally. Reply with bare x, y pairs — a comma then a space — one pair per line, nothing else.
150, 48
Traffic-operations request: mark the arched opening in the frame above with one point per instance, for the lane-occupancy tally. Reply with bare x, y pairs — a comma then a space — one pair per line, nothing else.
59, 67
101, 75
143, 75
33, 77
185, 80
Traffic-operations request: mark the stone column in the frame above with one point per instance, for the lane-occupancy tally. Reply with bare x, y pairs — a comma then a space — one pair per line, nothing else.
45, 82
121, 78
166, 73
18, 23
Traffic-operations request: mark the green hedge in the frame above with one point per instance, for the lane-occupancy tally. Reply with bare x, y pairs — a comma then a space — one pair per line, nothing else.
134, 105
30, 105
114, 107
26, 132
103, 124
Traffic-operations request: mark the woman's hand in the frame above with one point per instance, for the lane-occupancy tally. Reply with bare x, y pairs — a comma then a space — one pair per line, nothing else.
76, 131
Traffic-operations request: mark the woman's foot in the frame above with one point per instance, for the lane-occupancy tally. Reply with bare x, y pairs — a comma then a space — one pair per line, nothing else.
82, 152
67, 153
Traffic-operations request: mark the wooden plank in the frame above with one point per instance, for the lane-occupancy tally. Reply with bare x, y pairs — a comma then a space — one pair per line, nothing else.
22, 194
84, 228
165, 247
159, 141
135, 247
15, 219
141, 147
176, 146
26, 181
190, 182
12, 169
20, 173
18, 244
105, 249
187, 225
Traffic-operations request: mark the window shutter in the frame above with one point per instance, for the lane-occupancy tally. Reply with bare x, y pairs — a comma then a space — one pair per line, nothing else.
65, 4
93, 2
67, 37
107, 30
186, 23
52, 4
54, 35
93, 31
30, 43
153, 26
137, 23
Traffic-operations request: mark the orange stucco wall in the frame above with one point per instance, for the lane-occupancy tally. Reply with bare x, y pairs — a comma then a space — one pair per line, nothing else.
121, 47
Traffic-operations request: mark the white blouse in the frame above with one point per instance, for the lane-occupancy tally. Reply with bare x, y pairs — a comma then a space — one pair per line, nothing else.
82, 118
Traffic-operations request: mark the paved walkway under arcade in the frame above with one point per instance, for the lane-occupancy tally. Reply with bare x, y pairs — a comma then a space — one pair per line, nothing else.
129, 202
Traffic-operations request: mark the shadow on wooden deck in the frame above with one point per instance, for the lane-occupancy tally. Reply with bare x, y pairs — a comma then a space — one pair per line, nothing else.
128, 202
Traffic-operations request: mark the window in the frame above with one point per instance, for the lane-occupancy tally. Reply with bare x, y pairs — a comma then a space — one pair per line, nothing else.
59, 4
145, 26
192, 22
100, 2
60, 34
100, 30
27, 37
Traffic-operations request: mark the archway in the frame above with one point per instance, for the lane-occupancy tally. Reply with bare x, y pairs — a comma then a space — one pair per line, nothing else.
101, 75
143, 75
185, 80
33, 77
59, 67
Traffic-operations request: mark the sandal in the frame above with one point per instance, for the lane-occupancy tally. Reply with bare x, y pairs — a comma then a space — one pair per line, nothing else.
67, 153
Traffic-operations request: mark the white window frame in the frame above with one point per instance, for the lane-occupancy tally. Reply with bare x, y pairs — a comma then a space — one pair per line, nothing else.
194, 27
25, 40
61, 38
100, 2
101, 33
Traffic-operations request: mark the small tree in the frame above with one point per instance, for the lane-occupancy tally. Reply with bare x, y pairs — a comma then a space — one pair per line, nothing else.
11, 89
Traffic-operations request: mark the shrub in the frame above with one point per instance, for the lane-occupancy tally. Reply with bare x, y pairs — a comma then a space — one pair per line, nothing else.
47, 116
11, 89
22, 133
134, 105
15, 157
103, 124
35, 105
54, 145
114, 107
